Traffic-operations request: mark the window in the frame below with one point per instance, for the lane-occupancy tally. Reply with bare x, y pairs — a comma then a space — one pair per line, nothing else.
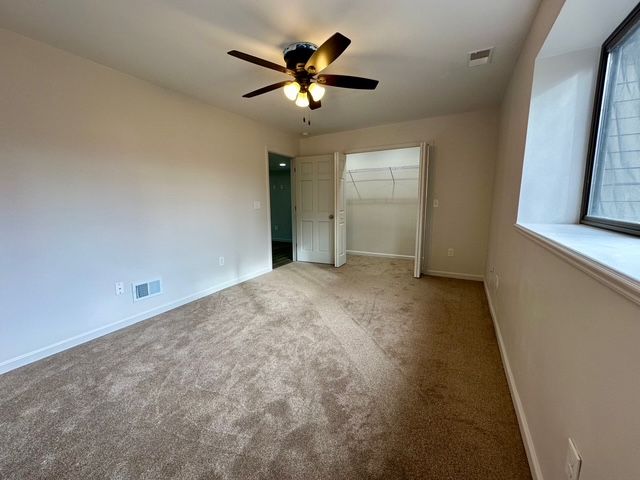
612, 181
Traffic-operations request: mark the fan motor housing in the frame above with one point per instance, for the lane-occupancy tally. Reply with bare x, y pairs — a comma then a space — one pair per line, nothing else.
296, 54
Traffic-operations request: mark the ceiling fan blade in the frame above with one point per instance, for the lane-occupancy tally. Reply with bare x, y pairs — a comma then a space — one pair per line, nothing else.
347, 81
313, 105
259, 61
327, 53
266, 89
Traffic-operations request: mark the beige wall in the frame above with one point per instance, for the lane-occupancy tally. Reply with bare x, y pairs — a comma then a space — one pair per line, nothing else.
107, 178
386, 228
571, 342
462, 161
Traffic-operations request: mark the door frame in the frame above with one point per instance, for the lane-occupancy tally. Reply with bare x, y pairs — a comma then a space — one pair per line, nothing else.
291, 158
419, 264
420, 254
339, 197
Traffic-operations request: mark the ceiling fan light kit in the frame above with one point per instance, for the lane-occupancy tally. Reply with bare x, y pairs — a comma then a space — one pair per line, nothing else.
304, 61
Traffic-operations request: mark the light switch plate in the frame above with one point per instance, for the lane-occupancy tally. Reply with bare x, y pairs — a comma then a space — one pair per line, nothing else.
119, 288
573, 463
257, 205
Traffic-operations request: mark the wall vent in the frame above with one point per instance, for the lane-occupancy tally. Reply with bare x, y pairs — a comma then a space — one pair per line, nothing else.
147, 289
480, 57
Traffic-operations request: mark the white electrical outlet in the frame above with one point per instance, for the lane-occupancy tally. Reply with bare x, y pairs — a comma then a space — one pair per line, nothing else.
436, 203
221, 260
257, 205
573, 463
450, 252
119, 288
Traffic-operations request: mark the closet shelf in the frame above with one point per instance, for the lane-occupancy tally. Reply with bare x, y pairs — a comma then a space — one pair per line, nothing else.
407, 173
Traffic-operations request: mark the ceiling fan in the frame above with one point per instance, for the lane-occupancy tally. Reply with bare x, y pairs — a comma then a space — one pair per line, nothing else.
304, 62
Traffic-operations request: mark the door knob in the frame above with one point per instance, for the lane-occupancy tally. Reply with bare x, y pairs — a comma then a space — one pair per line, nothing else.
331, 216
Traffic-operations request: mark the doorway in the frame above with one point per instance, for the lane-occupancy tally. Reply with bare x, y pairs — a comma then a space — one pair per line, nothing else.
384, 197
325, 185
281, 209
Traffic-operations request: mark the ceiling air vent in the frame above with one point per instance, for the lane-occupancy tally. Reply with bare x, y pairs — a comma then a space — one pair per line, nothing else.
147, 289
480, 57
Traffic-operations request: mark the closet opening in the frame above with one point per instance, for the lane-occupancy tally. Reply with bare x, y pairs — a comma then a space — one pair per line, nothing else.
383, 202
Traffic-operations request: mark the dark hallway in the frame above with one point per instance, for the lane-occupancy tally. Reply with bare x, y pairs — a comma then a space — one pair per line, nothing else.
281, 211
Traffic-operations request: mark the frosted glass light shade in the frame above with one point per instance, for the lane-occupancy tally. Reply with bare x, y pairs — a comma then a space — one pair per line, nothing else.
316, 91
291, 90
302, 100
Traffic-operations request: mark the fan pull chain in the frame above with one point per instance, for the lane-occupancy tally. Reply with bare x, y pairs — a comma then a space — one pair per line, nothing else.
306, 122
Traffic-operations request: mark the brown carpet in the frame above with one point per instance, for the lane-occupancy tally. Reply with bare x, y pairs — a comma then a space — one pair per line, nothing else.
308, 372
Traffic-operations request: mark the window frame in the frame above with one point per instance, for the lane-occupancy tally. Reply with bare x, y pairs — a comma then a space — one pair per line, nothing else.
618, 35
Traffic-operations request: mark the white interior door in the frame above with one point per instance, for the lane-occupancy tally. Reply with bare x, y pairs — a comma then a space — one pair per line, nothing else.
315, 191
340, 162
419, 265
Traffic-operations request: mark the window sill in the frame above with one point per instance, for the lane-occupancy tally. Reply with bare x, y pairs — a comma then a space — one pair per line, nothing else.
611, 258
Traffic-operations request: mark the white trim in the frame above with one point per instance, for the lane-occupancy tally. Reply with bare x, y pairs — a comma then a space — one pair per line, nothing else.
423, 183
622, 284
374, 254
57, 347
339, 167
268, 204
525, 432
294, 221
461, 276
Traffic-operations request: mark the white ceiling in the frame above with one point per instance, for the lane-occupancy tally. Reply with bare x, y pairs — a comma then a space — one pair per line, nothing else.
416, 48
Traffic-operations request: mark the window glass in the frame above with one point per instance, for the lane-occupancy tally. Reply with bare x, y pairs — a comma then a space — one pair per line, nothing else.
615, 187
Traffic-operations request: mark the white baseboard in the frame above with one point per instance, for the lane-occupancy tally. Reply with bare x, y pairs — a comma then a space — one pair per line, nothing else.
461, 276
57, 347
373, 254
534, 464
